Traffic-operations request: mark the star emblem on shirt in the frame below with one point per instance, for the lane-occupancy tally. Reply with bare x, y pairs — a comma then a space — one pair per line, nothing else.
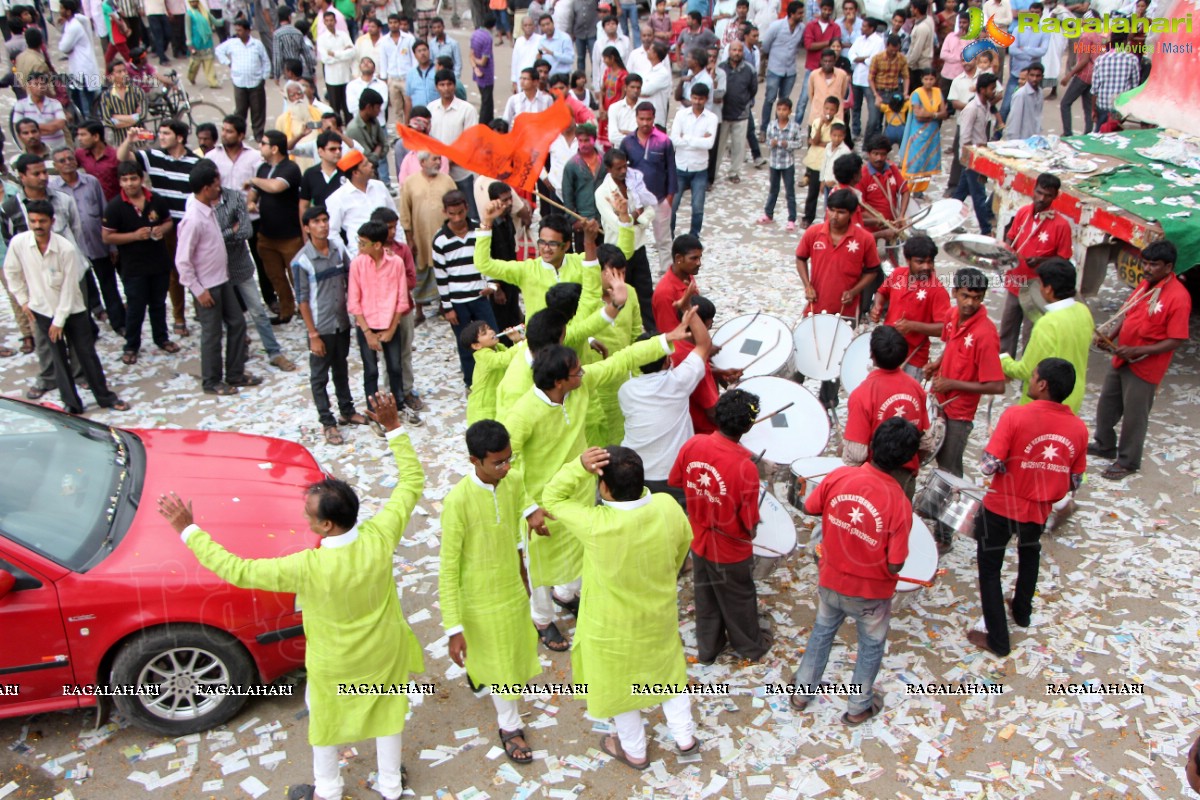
704, 480
899, 411
920, 294
1043, 237
969, 341
1158, 306
1050, 453
856, 515
852, 246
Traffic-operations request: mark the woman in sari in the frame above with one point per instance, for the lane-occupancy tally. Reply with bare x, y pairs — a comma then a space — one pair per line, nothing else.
612, 88
921, 148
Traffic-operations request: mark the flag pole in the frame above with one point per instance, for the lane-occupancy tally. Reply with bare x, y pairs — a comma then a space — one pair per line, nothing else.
559, 206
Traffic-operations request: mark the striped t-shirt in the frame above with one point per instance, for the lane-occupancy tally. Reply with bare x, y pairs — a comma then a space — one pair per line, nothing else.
169, 177
454, 267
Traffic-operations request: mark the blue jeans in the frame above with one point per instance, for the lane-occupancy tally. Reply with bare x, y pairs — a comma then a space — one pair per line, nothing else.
250, 294
777, 86
478, 309
872, 617
160, 34
87, 100
1009, 88
972, 182
629, 23
583, 52
788, 176
381, 169
802, 103
856, 102
698, 183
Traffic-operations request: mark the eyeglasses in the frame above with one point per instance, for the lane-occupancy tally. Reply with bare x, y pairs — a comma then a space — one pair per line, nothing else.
578, 374
555, 245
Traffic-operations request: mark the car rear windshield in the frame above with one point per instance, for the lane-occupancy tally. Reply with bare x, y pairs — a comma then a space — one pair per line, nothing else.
63, 482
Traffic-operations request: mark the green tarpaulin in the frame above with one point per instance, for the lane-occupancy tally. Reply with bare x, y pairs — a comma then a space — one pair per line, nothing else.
1131, 139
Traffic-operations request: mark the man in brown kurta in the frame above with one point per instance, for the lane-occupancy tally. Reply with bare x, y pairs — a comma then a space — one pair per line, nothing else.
421, 217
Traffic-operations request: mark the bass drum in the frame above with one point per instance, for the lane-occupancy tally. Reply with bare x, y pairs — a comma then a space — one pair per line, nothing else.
820, 340
800, 431
856, 362
757, 344
920, 568
775, 539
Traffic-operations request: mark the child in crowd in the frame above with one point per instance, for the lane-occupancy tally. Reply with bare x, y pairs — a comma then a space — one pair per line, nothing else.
783, 137
491, 362
412, 401
895, 115
839, 145
819, 135
847, 172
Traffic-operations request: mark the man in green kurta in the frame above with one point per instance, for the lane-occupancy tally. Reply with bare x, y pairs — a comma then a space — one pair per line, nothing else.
1065, 331
606, 423
547, 426
627, 646
555, 265
356, 631
482, 585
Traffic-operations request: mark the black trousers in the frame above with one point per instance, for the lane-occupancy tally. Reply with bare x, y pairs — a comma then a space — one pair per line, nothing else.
106, 276
507, 313
336, 95
487, 108
955, 164
992, 534
253, 100
752, 139
223, 317
336, 360
79, 334
1075, 90
726, 609
264, 280
393, 355
146, 293
637, 275
814, 191
178, 39
714, 156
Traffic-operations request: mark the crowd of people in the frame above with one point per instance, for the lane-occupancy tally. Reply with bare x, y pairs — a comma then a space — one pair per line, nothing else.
603, 443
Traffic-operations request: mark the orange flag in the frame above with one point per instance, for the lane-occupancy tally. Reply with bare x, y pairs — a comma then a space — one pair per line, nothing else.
516, 157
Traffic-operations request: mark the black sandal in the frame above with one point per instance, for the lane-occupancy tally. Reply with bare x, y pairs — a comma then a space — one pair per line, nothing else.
567, 605
512, 749
871, 713
619, 753
27, 344
550, 636
302, 791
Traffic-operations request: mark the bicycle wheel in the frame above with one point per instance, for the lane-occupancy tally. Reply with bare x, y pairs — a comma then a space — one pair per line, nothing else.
203, 111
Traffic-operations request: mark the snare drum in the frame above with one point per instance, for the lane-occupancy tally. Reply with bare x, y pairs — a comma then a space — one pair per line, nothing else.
820, 341
944, 217
922, 561
776, 536
757, 344
856, 361
806, 474
798, 432
951, 501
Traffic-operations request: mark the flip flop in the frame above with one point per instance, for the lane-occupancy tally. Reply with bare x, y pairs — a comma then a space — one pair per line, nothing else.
567, 605
129, 358
27, 344
181, 329
35, 393
695, 748
302, 791
876, 707
169, 346
333, 435
119, 405
1116, 472
353, 419
550, 635
619, 755
7, 352
511, 748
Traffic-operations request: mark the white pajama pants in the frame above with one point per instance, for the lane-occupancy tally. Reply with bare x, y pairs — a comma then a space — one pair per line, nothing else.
632, 734
662, 237
508, 716
541, 600
328, 777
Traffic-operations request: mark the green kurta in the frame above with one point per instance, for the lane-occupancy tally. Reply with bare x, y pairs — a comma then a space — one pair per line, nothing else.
355, 628
490, 366
535, 276
606, 423
479, 581
545, 436
1065, 333
632, 552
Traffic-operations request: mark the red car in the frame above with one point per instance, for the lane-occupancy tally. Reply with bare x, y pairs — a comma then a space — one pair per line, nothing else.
97, 590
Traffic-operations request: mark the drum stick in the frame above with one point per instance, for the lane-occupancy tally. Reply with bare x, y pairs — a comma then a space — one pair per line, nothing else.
816, 347
917, 581
833, 344
760, 355
773, 413
744, 328
751, 541
759, 457
947, 401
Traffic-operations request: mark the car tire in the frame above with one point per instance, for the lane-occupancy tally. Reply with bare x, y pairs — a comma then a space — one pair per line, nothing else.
176, 659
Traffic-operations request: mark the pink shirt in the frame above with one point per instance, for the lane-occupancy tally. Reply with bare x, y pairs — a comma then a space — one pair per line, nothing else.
235, 174
411, 166
200, 253
378, 292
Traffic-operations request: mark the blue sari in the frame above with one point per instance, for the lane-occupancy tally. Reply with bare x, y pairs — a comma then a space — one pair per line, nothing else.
921, 149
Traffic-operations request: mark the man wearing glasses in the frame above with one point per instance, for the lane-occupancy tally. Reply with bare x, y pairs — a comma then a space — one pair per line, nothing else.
554, 264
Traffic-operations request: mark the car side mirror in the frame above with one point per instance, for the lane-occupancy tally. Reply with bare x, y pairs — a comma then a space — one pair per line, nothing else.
7, 582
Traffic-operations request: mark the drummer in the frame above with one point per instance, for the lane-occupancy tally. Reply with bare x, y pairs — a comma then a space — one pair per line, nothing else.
720, 481
866, 521
886, 393
916, 301
884, 191
1037, 455
1036, 233
844, 260
678, 284
968, 367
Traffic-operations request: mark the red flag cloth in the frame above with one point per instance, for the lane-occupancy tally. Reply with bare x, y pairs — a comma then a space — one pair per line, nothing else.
516, 157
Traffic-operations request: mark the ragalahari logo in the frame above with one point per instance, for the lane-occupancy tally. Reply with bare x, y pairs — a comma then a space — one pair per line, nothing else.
993, 37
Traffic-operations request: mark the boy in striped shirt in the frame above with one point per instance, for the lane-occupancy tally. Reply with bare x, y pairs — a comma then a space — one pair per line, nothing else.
463, 289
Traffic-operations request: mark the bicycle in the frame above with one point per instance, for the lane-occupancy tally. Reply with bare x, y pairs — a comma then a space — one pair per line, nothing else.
174, 105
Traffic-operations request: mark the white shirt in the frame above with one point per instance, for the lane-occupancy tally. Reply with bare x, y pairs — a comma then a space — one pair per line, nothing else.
724, 7
962, 88
397, 56
519, 104
657, 421
447, 123
76, 42
365, 48
693, 136
349, 209
338, 67
622, 120
525, 52
46, 282
602, 44
354, 90
868, 47
656, 89
638, 63
560, 154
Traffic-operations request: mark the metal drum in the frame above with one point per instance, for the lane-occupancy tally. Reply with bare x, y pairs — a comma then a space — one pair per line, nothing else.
943, 218
806, 474
937, 427
983, 252
951, 501
799, 430
920, 568
757, 344
856, 361
820, 341
775, 539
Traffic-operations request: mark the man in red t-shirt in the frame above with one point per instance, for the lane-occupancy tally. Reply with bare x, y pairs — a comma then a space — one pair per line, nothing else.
1155, 324
887, 392
1037, 455
1035, 234
968, 367
720, 481
844, 260
678, 283
865, 522
916, 302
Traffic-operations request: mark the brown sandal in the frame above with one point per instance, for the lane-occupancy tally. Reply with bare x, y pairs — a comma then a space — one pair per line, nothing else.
27, 344
333, 435
169, 346
129, 358
7, 352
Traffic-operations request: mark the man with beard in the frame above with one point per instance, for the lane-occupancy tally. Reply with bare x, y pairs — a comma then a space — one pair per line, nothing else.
299, 117
421, 216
